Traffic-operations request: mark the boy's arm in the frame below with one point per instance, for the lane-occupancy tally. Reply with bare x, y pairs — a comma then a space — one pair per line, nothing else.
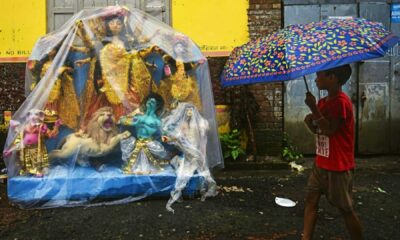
308, 121
327, 127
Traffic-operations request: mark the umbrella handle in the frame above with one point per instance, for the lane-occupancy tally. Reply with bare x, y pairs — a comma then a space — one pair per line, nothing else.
305, 82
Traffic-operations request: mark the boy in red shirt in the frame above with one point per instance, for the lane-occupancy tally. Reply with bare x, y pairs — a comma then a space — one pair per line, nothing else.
332, 121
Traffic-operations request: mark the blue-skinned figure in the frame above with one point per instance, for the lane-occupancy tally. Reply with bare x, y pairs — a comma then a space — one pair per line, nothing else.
144, 154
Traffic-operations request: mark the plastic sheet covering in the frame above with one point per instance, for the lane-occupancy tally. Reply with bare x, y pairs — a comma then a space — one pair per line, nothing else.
119, 107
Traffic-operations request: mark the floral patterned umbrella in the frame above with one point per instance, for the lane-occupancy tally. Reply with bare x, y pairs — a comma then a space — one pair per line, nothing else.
298, 50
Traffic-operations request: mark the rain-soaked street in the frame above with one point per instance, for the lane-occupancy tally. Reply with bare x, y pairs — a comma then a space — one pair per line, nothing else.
244, 209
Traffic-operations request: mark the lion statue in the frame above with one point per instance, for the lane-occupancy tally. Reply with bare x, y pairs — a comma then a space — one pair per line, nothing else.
100, 138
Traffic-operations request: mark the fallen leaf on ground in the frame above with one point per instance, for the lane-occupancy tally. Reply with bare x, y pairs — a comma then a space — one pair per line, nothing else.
232, 189
381, 190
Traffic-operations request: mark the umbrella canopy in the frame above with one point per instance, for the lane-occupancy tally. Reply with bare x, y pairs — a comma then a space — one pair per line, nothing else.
302, 49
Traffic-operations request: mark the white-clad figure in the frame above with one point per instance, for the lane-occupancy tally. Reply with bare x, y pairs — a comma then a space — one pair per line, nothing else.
187, 130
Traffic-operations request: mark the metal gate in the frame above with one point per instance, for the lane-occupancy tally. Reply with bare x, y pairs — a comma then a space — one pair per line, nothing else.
59, 11
372, 86
394, 92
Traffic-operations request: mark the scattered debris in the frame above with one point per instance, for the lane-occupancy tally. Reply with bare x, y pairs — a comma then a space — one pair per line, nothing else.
250, 158
234, 189
281, 179
381, 190
296, 166
284, 202
3, 178
327, 217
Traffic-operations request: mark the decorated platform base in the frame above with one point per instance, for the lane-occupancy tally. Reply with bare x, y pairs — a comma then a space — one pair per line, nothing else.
82, 184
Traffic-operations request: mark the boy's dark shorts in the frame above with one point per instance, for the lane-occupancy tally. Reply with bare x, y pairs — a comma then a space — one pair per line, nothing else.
337, 186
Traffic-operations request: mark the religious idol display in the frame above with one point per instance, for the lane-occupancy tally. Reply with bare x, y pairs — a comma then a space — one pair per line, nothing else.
119, 108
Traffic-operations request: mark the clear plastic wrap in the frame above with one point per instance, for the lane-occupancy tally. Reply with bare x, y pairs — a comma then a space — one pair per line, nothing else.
106, 116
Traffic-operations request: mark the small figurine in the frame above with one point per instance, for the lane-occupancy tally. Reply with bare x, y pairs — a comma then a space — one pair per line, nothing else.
29, 143
186, 129
62, 101
145, 154
180, 86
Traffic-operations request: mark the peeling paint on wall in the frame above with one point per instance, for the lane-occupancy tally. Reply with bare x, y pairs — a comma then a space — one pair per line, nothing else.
377, 101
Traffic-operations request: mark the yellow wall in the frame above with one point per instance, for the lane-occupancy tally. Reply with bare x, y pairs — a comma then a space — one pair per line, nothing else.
217, 26
22, 22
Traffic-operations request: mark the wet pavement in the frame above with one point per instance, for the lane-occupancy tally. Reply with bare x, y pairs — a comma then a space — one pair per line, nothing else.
244, 209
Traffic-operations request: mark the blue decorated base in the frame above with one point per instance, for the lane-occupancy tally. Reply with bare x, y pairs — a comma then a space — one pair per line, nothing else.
65, 186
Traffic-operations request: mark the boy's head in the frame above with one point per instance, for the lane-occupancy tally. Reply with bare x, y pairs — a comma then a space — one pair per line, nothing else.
334, 76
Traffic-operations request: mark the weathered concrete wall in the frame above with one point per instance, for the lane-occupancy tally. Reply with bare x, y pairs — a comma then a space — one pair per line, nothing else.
395, 93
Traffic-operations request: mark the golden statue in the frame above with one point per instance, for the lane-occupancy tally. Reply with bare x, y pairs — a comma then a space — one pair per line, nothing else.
179, 86
123, 78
